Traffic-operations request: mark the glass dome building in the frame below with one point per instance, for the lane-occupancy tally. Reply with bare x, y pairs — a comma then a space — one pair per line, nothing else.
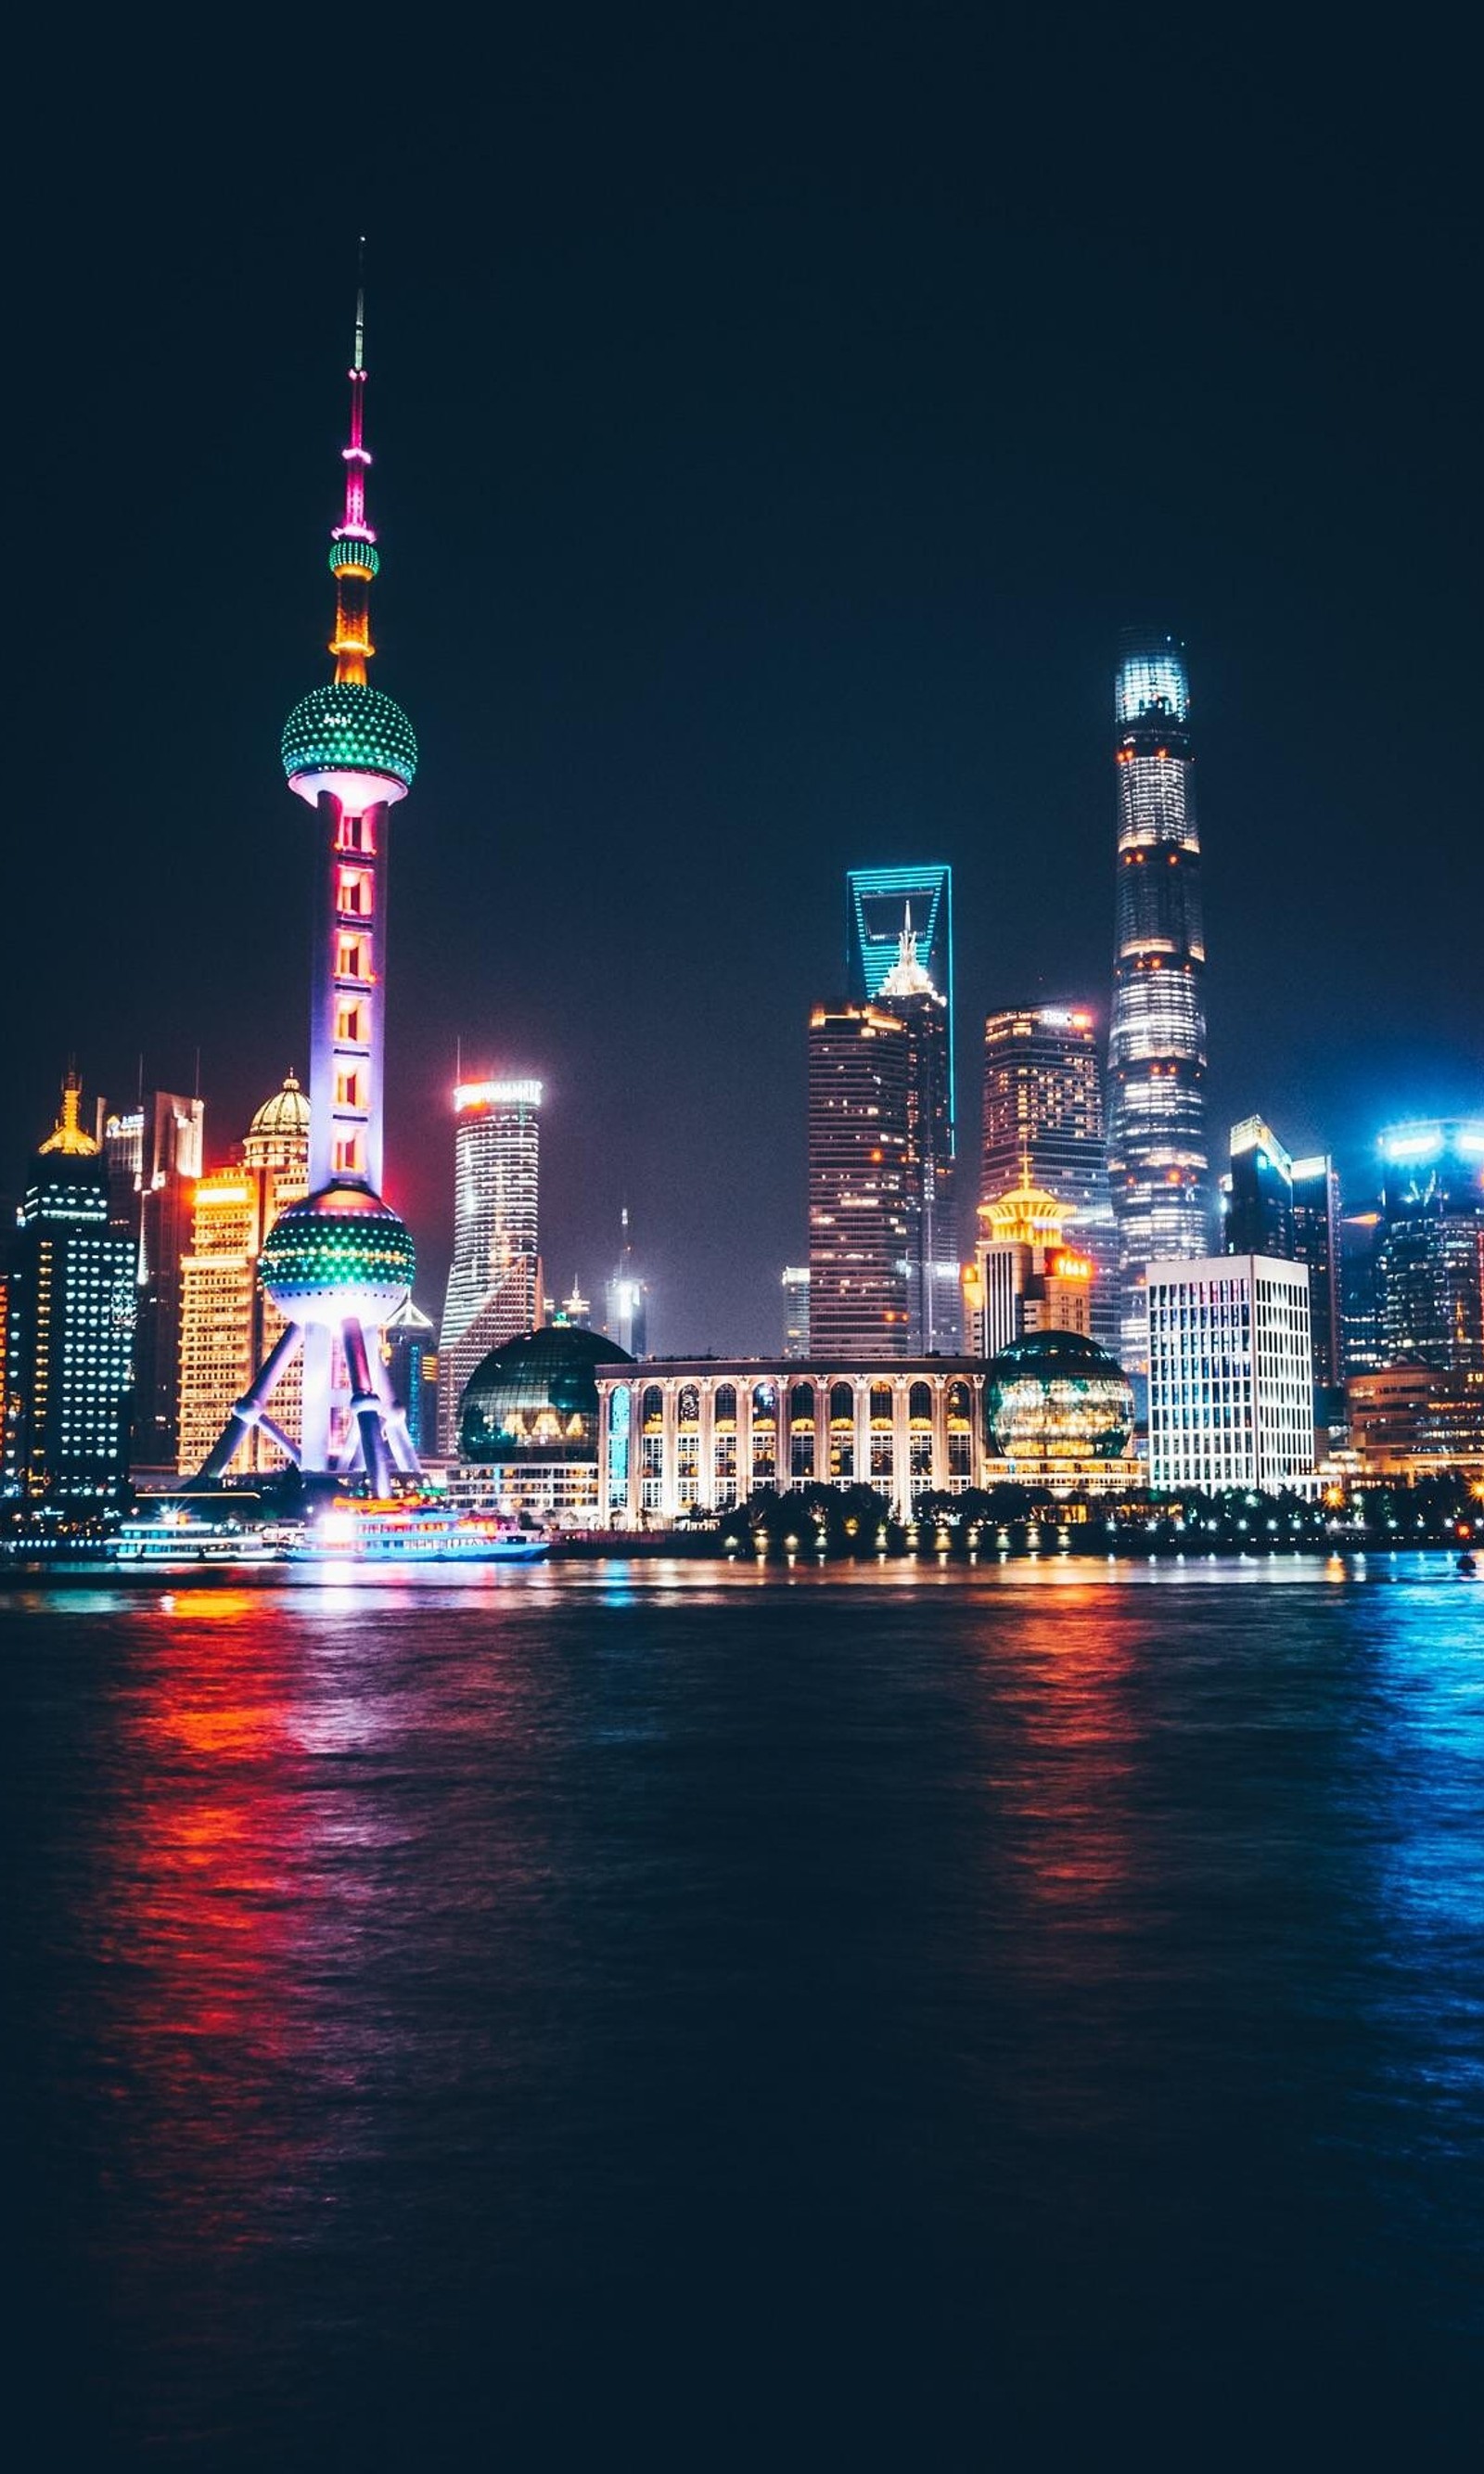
1056, 1396
535, 1398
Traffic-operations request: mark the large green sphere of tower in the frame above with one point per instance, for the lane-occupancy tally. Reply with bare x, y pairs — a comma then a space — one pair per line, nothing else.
339, 1252
350, 730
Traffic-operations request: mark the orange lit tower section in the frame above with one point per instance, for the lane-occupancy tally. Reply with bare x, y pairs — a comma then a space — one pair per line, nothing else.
339, 1263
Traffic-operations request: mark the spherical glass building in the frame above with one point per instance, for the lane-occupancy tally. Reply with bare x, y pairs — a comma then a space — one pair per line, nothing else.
536, 1397
1056, 1397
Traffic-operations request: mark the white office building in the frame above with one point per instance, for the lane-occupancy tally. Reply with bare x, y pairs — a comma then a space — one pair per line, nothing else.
1231, 1373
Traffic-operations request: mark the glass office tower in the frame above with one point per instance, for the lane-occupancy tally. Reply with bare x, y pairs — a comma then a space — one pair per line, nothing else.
1157, 1155
1043, 1125
494, 1286
1432, 1245
859, 1181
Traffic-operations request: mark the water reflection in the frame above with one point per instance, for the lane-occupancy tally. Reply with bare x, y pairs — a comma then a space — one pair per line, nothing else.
546, 1983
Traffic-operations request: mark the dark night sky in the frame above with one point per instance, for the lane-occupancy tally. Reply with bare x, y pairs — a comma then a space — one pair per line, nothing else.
775, 417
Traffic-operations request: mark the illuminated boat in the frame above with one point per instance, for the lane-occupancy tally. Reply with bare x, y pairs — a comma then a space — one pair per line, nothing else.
415, 1533
177, 1538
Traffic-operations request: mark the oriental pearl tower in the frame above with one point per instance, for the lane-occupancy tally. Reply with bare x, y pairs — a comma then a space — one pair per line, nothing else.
340, 1262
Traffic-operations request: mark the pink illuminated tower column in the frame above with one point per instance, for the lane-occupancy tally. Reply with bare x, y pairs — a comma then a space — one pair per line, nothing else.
339, 1263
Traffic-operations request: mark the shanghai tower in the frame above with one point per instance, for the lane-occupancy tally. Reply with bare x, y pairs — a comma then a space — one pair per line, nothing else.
1158, 1156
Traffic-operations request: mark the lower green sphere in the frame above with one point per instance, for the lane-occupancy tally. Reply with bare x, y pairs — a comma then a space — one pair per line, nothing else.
339, 1252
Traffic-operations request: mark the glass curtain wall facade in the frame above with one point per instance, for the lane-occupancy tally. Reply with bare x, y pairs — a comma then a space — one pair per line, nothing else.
859, 1072
153, 1155
493, 1289
1158, 1151
934, 1318
1432, 1245
1043, 1127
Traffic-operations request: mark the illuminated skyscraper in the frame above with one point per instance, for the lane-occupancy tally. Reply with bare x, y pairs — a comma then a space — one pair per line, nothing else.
626, 1298
493, 1291
860, 1062
1316, 1217
228, 1325
934, 1320
340, 1262
1158, 1156
1231, 1373
69, 1326
409, 1352
153, 1153
1259, 1193
1432, 1244
1290, 1208
884, 907
1043, 1127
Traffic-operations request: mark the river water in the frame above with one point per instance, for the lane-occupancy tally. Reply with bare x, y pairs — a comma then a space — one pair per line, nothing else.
647, 2011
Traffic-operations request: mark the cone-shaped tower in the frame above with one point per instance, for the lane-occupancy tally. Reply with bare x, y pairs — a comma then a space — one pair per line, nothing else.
338, 1264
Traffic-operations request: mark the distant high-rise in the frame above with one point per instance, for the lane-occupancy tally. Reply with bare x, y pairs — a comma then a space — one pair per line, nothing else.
1432, 1244
934, 1319
576, 1311
227, 1326
494, 1292
795, 1311
1043, 1127
409, 1352
1316, 1224
626, 1298
1363, 1346
1259, 1212
859, 1210
1277, 1206
1158, 1156
69, 1326
153, 1155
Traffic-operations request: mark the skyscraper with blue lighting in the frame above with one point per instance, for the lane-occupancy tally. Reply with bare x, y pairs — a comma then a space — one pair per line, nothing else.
899, 957
1431, 1253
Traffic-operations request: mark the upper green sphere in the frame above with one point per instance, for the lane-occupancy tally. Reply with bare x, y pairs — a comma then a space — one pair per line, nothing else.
350, 730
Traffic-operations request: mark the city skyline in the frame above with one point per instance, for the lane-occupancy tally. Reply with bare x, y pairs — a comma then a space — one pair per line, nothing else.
935, 690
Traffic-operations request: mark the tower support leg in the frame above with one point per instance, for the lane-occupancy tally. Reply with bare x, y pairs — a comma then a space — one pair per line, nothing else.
249, 1410
366, 1409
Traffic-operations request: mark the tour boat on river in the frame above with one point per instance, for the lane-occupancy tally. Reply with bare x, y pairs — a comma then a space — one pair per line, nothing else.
177, 1539
415, 1533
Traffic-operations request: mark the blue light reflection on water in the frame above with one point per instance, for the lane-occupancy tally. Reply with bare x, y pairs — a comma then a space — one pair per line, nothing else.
671, 1974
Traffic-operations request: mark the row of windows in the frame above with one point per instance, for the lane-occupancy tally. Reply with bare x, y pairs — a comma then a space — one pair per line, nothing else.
802, 1398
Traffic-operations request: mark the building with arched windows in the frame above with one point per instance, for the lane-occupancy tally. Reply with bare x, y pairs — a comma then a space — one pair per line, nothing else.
682, 1435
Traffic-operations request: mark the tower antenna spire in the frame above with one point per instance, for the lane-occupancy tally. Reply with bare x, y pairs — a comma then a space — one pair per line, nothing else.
352, 556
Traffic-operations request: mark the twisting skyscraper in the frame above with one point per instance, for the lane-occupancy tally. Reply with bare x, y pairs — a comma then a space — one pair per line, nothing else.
339, 1264
1158, 1156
